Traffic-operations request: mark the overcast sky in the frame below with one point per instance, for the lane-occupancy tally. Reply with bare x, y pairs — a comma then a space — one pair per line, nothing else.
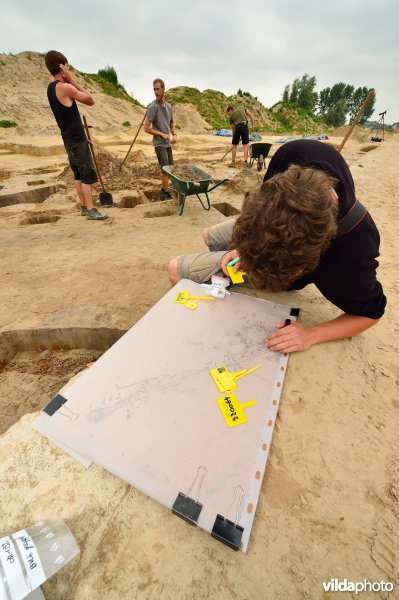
258, 46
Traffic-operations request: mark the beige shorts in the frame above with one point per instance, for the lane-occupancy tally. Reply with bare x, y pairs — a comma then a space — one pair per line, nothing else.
200, 267
219, 236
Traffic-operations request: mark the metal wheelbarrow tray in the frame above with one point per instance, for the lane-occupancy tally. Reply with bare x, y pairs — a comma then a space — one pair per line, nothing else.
184, 188
258, 151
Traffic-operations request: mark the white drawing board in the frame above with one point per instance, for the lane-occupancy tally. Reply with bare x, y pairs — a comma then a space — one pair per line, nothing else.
147, 410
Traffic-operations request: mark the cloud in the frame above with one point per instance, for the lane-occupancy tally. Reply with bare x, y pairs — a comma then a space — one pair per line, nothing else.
257, 46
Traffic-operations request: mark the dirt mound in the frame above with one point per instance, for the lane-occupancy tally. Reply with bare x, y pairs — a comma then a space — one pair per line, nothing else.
358, 133
24, 81
188, 119
115, 177
247, 180
186, 173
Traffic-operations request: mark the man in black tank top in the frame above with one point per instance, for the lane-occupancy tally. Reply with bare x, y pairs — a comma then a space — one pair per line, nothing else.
62, 94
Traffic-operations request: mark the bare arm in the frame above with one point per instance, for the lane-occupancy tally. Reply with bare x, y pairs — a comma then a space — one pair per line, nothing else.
173, 132
251, 116
71, 90
148, 128
296, 337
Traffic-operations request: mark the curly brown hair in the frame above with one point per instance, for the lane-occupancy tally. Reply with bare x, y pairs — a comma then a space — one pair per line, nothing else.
285, 226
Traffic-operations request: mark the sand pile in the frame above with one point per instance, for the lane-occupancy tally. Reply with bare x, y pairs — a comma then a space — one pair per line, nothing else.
24, 80
136, 169
187, 118
186, 173
137, 173
358, 133
247, 180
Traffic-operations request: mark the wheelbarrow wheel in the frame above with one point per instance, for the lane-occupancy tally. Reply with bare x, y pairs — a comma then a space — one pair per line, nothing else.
261, 160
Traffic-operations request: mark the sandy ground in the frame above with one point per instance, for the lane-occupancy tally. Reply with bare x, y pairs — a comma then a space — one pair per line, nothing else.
329, 501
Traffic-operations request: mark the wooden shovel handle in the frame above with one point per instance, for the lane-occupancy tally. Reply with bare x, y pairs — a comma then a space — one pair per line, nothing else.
92, 151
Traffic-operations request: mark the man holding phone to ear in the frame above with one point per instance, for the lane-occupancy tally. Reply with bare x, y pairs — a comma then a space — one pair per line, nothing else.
62, 94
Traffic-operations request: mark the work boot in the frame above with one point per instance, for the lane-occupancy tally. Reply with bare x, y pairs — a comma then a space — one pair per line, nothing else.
95, 215
83, 210
232, 164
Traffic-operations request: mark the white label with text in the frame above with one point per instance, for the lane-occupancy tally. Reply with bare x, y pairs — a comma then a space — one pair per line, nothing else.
16, 582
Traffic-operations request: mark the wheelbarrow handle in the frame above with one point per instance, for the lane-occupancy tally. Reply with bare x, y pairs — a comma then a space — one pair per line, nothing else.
217, 184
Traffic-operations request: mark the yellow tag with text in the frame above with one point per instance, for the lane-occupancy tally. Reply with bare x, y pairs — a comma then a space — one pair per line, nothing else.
226, 380
182, 297
235, 277
233, 410
220, 375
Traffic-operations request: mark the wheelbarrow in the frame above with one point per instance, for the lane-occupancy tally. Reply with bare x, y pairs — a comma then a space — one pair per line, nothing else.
258, 151
184, 188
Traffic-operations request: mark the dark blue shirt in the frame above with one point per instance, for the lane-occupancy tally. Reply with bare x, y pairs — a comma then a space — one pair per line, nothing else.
346, 273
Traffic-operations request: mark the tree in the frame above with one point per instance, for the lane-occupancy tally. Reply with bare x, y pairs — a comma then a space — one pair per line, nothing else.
332, 100
358, 97
110, 75
286, 94
302, 92
336, 114
329, 97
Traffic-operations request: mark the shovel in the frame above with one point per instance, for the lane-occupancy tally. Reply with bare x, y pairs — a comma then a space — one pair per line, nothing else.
104, 197
132, 144
228, 152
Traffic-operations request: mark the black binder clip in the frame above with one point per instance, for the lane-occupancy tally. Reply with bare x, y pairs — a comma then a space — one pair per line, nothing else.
57, 404
188, 508
226, 531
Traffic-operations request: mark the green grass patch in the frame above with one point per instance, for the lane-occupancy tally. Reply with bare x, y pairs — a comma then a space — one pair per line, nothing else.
109, 88
8, 124
126, 124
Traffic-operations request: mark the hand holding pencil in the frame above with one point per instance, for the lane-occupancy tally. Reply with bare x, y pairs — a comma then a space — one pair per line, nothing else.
229, 258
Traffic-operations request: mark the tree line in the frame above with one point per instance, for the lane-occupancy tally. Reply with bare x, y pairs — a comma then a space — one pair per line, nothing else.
333, 104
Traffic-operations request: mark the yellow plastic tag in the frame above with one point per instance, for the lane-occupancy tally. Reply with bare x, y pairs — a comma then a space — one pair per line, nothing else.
233, 410
220, 376
235, 277
191, 304
182, 297
226, 380
203, 297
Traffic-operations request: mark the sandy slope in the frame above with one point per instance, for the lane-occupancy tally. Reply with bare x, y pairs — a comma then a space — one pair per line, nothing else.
329, 502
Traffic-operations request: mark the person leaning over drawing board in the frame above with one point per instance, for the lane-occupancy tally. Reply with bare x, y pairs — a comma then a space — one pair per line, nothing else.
304, 225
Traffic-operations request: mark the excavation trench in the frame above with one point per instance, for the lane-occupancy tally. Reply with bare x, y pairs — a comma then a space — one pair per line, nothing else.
35, 364
30, 196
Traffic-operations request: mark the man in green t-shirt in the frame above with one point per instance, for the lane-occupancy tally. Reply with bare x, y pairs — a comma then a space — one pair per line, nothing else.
239, 125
